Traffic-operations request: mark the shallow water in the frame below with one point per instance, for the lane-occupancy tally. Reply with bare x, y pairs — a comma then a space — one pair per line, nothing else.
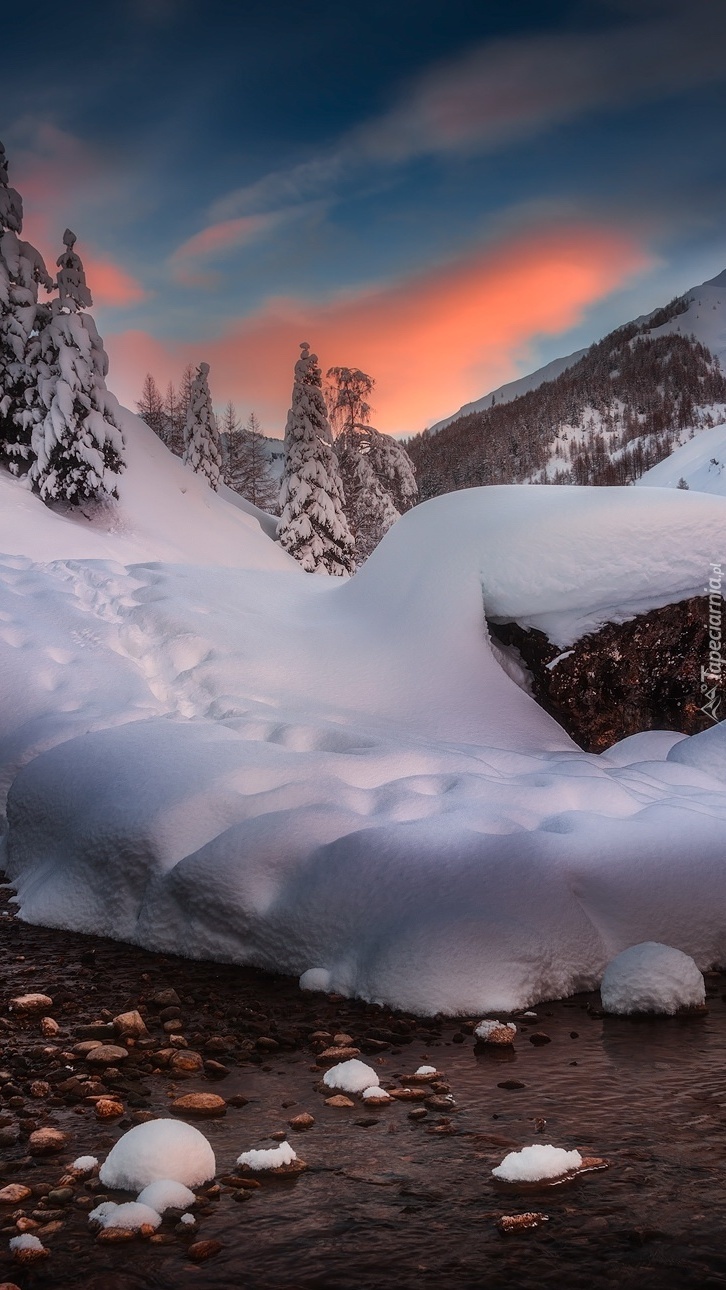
387, 1201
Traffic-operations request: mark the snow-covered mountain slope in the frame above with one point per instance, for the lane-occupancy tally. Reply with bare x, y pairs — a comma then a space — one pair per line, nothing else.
299, 772
513, 389
165, 512
700, 463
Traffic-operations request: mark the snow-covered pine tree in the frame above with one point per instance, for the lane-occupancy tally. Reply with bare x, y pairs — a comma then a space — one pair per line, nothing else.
312, 525
21, 270
202, 450
368, 504
394, 469
78, 447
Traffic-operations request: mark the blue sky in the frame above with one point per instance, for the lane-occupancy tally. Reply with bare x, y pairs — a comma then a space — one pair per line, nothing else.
447, 194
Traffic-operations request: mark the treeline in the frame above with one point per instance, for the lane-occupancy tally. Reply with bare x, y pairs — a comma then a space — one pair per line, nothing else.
606, 420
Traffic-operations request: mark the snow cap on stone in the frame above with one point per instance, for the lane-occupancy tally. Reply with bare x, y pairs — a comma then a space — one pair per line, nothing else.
651, 977
159, 1149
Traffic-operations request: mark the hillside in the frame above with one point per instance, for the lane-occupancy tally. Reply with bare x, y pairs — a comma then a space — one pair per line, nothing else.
611, 414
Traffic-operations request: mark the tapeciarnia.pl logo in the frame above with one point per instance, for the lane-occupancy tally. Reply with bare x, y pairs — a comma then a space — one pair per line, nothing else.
713, 672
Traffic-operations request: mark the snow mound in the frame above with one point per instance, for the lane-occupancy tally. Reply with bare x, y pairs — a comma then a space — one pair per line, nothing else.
374, 1093
425, 1070
156, 1151
165, 1194
271, 1158
131, 1216
352, 1076
705, 752
651, 978
85, 1164
25, 1242
537, 1163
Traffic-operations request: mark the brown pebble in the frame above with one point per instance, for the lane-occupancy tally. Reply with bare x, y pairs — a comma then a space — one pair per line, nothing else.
186, 1062
30, 1256
199, 1105
337, 1054
159, 1238
43, 1142
130, 1023
338, 1100
114, 1235
409, 1094
539, 1039
39, 1088
302, 1121
266, 1044
14, 1194
30, 1003
107, 1055
202, 1250
418, 1113
8, 1285
342, 1041
49, 1027
520, 1222
107, 1108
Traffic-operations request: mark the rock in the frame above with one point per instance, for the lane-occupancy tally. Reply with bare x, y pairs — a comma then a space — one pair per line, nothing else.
60, 1195
302, 1121
338, 1100
418, 1113
107, 1055
27, 1003
511, 1084
107, 1108
185, 1062
165, 998
215, 1070
39, 1088
520, 1222
408, 1094
130, 1023
440, 1102
174, 1026
539, 1039
9, 1135
199, 1105
266, 1044
499, 1033
14, 1194
202, 1250
8, 1285
49, 1027
44, 1142
337, 1054
86, 1046
343, 1041
32, 1255
114, 1235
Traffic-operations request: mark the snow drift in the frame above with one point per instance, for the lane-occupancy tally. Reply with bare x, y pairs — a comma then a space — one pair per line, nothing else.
255, 765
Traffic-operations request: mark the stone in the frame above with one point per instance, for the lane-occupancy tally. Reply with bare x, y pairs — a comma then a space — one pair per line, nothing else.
520, 1222
539, 1039
39, 1088
337, 1054
49, 1027
302, 1121
108, 1108
338, 1100
165, 998
199, 1105
30, 1256
44, 1142
266, 1044
114, 1235
14, 1194
202, 1250
418, 1113
107, 1055
408, 1094
186, 1062
60, 1195
342, 1041
30, 1003
130, 1023
215, 1070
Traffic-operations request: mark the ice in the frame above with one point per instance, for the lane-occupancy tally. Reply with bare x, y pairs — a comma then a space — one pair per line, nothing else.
165, 1194
271, 1158
352, 1076
537, 1163
131, 1216
651, 978
158, 1151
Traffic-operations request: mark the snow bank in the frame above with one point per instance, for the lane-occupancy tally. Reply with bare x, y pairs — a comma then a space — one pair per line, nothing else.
165, 1194
263, 767
651, 978
158, 1151
537, 1163
352, 1076
270, 1158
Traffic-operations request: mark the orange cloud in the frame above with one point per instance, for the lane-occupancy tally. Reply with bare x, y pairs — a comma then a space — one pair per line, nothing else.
214, 241
433, 341
110, 284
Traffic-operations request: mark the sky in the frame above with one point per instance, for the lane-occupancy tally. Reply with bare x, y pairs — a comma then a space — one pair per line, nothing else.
445, 194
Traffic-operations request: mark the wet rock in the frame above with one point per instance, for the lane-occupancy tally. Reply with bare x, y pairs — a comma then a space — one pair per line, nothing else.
343, 1041
9, 1135
511, 1084
101, 1030
539, 1039
237, 1099
337, 1054
408, 1094
107, 1108
107, 1055
498, 1033
33, 1254
44, 1142
215, 1070
200, 1251
14, 1194
130, 1024
302, 1121
29, 1003
114, 1235
173, 1026
339, 1100
520, 1222
165, 998
60, 1196
39, 1088
49, 1027
170, 1014
186, 1062
266, 1044
418, 1113
199, 1105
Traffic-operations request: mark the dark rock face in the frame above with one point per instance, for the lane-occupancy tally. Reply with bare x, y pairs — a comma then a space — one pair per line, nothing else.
644, 674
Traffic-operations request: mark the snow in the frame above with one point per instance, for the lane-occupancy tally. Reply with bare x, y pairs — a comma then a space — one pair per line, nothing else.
374, 1093
352, 1076
85, 1164
513, 389
487, 1028
25, 1242
537, 1163
651, 978
131, 1216
165, 1194
158, 1150
426, 1070
272, 1158
214, 753
701, 462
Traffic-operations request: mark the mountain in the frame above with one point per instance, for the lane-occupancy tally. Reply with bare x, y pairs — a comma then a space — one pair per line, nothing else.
605, 415
699, 464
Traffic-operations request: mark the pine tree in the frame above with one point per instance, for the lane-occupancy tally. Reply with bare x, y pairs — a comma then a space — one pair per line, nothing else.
78, 447
312, 526
369, 506
21, 270
248, 469
150, 407
201, 437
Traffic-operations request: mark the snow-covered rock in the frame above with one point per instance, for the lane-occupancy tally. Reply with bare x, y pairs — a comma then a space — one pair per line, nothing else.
495, 1032
353, 1076
158, 1150
260, 1161
130, 1216
651, 978
537, 1164
165, 1194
